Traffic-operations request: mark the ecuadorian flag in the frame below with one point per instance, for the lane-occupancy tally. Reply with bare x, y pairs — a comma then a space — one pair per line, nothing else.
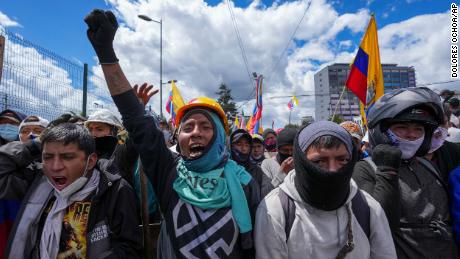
174, 102
254, 123
366, 77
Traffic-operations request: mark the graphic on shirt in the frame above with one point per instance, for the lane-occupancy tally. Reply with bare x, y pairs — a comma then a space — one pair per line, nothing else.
204, 233
72, 244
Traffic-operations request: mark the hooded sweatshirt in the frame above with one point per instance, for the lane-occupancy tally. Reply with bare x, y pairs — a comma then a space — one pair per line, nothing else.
317, 233
323, 209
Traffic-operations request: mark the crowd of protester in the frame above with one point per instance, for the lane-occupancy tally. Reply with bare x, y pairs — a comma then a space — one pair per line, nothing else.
73, 188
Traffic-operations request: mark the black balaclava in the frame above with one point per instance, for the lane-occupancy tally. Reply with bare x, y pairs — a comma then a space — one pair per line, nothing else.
270, 146
322, 189
285, 137
105, 146
240, 158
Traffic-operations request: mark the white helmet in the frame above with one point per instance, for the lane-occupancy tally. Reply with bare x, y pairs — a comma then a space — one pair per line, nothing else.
104, 116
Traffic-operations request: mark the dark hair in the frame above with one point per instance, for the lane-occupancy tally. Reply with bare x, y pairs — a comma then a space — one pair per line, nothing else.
70, 133
446, 94
447, 112
31, 118
326, 141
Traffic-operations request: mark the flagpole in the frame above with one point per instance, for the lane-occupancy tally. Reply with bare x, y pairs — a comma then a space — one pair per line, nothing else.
290, 110
337, 105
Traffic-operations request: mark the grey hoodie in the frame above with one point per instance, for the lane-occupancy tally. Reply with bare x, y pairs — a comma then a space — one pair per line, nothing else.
316, 233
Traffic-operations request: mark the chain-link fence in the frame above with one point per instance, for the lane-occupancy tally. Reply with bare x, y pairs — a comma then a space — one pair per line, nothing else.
39, 82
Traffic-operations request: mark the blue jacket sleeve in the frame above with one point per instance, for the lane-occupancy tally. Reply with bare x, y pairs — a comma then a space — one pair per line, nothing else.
454, 186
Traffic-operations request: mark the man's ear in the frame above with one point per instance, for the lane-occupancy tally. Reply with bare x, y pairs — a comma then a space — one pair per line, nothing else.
92, 160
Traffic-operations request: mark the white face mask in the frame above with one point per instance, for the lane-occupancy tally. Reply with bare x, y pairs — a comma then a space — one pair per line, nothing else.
73, 187
437, 142
407, 147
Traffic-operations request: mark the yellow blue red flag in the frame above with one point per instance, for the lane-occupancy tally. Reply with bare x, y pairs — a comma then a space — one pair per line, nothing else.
366, 77
254, 124
174, 102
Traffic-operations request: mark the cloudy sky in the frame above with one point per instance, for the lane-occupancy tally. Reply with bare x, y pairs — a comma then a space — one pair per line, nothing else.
201, 49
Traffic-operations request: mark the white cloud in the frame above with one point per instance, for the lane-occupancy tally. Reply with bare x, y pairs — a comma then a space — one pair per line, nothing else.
201, 50
5, 21
416, 42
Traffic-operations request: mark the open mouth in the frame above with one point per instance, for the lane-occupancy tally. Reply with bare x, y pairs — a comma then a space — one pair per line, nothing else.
196, 150
59, 182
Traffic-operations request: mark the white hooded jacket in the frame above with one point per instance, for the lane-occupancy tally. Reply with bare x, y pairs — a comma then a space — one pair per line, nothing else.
318, 234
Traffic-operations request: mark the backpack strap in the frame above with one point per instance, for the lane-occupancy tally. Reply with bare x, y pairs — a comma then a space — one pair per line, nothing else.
289, 211
362, 212
434, 171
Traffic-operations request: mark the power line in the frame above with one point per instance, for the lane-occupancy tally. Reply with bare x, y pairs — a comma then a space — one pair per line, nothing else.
438, 83
290, 39
240, 41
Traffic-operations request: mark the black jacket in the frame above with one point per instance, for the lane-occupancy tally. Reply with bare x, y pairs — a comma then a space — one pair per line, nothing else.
447, 158
192, 231
417, 208
113, 206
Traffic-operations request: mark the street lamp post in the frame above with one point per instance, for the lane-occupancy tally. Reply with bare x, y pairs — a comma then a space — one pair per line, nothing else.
148, 19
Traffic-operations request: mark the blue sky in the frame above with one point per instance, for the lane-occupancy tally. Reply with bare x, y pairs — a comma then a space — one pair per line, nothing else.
58, 25
200, 48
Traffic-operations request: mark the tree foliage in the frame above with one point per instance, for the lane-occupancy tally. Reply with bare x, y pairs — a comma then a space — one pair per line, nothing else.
226, 100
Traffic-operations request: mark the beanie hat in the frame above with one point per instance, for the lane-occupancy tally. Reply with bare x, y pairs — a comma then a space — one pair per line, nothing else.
286, 137
268, 131
324, 128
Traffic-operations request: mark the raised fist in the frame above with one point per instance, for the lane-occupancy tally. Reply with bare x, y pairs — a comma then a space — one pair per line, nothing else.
386, 157
102, 26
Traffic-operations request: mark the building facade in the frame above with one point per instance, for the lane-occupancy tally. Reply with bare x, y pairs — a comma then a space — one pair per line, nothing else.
330, 81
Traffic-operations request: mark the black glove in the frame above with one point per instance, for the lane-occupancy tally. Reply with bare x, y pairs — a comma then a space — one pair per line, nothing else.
386, 157
102, 26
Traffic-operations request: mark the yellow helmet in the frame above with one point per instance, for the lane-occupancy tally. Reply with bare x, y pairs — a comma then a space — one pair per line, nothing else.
204, 102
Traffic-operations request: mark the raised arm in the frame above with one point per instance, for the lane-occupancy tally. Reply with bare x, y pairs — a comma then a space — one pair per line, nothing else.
147, 139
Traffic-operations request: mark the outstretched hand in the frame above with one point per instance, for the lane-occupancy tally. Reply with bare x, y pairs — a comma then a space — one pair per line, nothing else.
145, 92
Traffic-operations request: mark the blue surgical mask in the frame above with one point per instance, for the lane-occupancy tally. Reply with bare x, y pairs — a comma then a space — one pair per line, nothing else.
9, 132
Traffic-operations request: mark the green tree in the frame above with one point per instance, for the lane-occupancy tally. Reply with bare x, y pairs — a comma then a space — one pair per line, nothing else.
337, 119
226, 100
292, 126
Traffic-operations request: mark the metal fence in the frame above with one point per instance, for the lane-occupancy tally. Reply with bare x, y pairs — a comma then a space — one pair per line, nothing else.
39, 82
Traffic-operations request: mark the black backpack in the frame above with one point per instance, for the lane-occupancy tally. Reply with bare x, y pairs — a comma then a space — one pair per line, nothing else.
359, 206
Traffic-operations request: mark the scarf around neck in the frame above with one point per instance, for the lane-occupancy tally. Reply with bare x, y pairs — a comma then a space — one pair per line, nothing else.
213, 181
49, 242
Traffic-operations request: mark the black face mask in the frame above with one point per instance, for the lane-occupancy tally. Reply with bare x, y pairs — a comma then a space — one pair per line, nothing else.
281, 157
270, 145
105, 146
239, 157
320, 188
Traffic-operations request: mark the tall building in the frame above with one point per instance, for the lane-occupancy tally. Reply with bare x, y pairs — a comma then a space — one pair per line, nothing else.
330, 81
